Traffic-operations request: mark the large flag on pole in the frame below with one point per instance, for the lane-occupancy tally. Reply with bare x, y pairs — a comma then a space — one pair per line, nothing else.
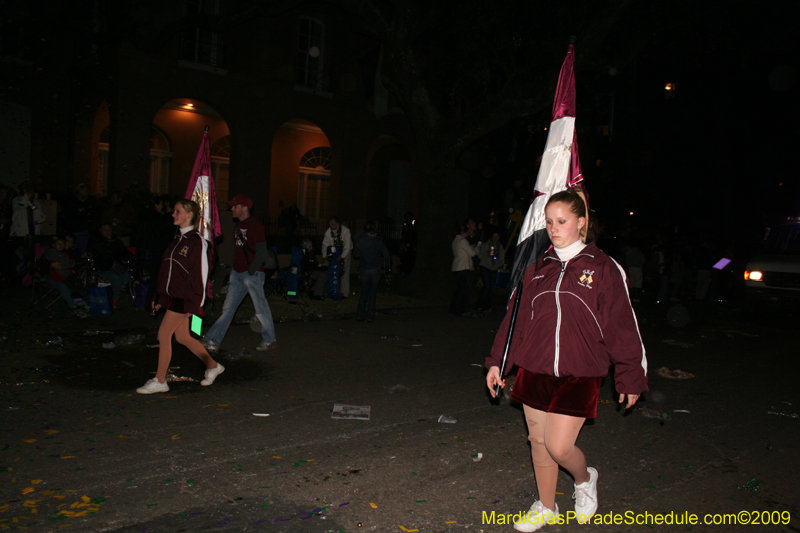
560, 170
203, 191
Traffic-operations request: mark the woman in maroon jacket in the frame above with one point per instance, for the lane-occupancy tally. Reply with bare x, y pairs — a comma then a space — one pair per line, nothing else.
580, 321
181, 289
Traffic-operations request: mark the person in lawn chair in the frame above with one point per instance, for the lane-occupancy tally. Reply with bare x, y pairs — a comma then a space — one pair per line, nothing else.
56, 268
111, 260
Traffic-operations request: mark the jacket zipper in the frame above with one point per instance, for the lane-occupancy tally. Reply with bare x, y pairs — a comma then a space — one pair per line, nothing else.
558, 319
558, 308
172, 253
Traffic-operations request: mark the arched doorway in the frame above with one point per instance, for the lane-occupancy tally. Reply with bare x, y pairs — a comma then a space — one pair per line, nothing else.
302, 170
160, 162
182, 121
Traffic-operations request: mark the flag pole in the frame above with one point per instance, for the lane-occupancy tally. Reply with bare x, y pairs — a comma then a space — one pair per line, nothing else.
513, 322
520, 266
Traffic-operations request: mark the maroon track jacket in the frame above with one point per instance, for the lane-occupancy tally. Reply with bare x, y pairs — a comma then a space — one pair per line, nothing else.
575, 319
184, 271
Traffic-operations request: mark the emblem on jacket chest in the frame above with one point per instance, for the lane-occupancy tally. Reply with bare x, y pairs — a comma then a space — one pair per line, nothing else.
586, 279
184, 251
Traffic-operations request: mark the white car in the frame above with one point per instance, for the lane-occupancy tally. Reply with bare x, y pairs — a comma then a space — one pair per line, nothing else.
774, 274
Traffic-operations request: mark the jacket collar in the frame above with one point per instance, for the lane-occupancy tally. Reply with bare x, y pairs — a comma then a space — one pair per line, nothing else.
591, 250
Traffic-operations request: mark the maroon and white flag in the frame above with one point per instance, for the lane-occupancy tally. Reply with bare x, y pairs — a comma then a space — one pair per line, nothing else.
203, 191
560, 170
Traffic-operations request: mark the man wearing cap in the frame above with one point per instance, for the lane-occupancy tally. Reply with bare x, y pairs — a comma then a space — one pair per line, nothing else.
247, 277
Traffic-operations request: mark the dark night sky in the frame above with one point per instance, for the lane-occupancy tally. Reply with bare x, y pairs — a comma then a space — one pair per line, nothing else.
714, 158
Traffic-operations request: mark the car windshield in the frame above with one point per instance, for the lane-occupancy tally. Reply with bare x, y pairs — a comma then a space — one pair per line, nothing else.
784, 240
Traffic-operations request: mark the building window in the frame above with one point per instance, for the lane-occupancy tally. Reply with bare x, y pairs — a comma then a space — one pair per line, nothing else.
314, 186
310, 53
317, 159
160, 159
201, 45
220, 168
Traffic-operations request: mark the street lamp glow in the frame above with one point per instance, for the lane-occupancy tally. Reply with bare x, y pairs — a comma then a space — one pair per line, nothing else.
631, 213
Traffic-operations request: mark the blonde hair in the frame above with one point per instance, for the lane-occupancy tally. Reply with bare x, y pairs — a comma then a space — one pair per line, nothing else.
577, 204
190, 207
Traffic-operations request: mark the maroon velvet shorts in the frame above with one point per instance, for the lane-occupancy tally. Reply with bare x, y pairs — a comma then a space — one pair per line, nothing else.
563, 395
175, 305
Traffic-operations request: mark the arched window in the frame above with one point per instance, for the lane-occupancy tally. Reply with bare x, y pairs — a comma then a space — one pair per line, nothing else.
100, 178
317, 158
220, 168
160, 159
313, 192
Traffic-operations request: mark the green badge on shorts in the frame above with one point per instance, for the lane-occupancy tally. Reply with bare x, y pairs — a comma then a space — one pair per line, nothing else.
197, 324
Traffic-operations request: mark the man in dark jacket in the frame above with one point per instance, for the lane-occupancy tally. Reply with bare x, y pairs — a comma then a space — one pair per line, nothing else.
314, 271
373, 256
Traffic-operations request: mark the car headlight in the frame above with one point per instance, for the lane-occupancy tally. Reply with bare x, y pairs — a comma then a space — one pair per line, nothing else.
753, 275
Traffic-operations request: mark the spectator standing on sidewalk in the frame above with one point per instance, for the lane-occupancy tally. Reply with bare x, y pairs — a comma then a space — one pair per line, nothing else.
492, 257
314, 271
182, 291
373, 256
339, 235
463, 269
635, 261
247, 277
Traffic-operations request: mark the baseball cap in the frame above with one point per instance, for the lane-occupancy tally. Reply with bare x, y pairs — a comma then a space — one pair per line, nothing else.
241, 199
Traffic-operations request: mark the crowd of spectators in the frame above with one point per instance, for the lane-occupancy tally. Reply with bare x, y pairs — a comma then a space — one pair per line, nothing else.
94, 236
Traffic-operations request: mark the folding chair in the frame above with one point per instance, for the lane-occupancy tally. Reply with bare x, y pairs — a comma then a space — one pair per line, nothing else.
277, 283
276, 280
41, 291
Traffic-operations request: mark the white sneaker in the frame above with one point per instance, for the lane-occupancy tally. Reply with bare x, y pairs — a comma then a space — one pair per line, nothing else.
153, 386
210, 346
211, 375
537, 517
586, 497
264, 346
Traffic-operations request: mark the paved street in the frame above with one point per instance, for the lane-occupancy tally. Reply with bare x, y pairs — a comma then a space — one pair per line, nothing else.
81, 451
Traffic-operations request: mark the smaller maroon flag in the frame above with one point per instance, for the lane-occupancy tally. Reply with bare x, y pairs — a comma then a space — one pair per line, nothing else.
203, 191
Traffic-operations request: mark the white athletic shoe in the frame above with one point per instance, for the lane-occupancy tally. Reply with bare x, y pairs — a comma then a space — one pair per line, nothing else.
153, 386
536, 518
211, 375
266, 346
586, 497
210, 346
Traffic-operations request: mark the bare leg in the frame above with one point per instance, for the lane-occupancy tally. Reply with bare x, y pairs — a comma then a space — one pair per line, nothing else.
168, 326
561, 432
544, 465
183, 336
